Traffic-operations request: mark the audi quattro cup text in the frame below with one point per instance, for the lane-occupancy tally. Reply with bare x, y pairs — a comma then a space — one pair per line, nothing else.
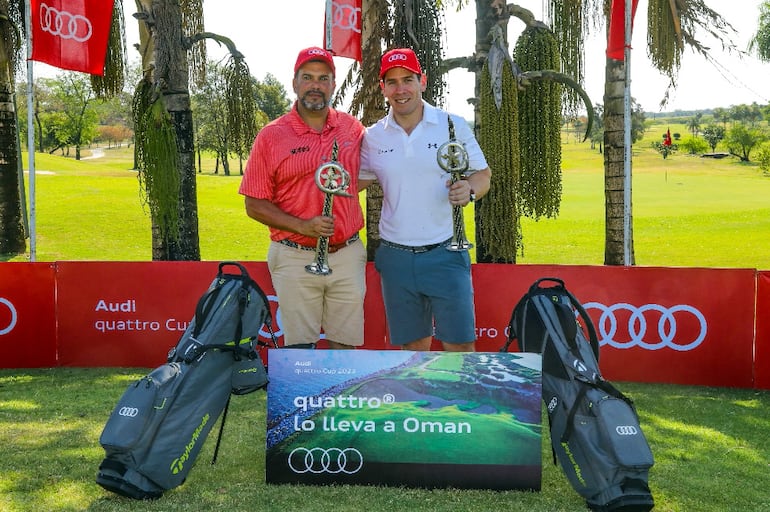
301, 367
106, 325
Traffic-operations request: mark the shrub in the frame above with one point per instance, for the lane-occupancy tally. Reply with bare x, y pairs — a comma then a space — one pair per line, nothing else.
694, 145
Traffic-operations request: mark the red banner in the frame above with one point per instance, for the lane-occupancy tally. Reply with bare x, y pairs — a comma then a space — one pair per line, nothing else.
616, 41
27, 315
71, 34
344, 18
692, 326
762, 344
132, 314
668, 325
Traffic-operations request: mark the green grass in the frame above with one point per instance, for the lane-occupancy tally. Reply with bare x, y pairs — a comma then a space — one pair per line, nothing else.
688, 211
710, 447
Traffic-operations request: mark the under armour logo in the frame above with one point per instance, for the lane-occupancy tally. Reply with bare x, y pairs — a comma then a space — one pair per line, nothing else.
433, 145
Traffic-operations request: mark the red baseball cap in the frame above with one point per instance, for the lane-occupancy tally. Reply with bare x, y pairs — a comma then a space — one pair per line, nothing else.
313, 53
399, 58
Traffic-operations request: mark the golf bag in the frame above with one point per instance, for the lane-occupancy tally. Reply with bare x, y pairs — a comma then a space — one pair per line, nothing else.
594, 428
159, 425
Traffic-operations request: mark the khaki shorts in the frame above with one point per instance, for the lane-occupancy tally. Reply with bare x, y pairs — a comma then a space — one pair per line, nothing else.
308, 303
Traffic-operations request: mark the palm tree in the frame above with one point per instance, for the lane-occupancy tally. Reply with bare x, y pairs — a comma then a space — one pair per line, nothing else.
172, 48
694, 124
12, 236
760, 43
672, 26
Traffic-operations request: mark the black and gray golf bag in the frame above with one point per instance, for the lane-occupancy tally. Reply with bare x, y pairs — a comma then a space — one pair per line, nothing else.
595, 432
159, 425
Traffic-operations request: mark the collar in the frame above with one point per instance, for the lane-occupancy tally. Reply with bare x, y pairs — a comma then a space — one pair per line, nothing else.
430, 115
300, 127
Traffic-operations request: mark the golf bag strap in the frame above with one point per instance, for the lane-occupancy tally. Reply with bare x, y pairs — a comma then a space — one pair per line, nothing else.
203, 308
592, 337
511, 333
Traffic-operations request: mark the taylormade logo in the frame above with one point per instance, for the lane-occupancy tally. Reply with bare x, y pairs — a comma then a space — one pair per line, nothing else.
178, 464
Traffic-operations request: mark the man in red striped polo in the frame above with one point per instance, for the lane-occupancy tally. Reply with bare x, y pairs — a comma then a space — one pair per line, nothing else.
280, 191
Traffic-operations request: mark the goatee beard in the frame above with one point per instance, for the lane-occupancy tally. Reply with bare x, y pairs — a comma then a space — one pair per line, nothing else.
314, 105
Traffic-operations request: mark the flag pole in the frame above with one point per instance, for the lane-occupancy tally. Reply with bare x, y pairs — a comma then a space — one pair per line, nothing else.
30, 135
627, 134
329, 26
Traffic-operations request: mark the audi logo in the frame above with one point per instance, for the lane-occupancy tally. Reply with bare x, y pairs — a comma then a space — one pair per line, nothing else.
128, 412
346, 17
636, 329
396, 56
626, 430
14, 316
65, 24
325, 460
315, 51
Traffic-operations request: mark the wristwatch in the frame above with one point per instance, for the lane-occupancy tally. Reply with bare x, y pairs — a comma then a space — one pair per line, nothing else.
473, 195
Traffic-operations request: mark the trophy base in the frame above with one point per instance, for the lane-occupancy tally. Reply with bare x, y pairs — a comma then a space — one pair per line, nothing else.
319, 270
457, 247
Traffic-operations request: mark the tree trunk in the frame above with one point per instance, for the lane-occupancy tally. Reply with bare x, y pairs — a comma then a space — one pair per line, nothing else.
488, 14
166, 56
373, 110
614, 147
11, 226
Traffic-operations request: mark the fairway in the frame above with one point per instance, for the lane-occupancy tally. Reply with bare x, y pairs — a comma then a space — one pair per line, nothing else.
687, 211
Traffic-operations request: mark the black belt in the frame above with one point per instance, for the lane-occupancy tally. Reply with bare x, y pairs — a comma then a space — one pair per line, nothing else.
332, 248
415, 248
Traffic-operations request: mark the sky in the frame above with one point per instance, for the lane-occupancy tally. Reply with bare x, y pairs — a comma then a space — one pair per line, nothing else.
270, 34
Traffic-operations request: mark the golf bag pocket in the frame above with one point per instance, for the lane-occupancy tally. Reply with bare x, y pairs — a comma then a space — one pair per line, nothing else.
248, 375
619, 426
143, 402
603, 452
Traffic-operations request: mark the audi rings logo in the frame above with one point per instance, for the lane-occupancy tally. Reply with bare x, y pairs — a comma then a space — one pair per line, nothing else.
328, 460
641, 322
346, 17
65, 24
314, 51
13, 317
396, 56
626, 430
128, 412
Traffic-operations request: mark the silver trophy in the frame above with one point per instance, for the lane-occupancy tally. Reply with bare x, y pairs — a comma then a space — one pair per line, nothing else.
453, 158
333, 180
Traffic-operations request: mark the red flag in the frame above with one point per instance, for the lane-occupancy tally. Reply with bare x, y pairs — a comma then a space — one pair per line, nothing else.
344, 18
616, 42
71, 34
667, 138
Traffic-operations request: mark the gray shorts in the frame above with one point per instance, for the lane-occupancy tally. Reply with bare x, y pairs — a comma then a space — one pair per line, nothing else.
423, 290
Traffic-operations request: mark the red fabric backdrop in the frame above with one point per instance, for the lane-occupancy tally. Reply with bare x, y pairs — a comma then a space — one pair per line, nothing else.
674, 325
